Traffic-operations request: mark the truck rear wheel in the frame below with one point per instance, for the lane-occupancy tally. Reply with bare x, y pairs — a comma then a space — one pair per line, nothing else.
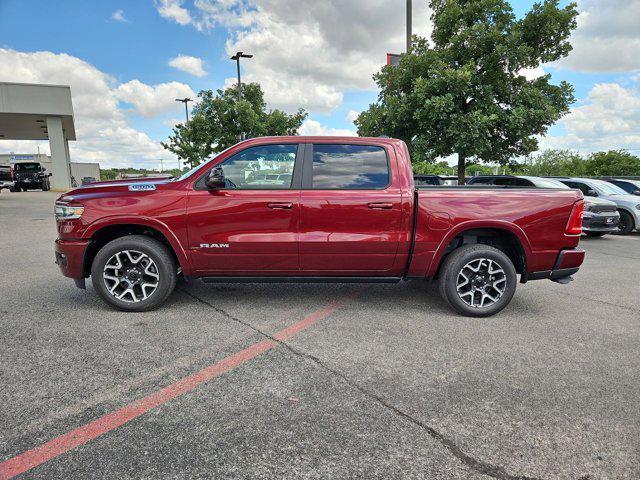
134, 273
478, 280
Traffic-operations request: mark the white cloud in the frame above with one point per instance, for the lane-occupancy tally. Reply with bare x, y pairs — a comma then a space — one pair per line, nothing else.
118, 16
186, 63
173, 10
608, 119
532, 73
308, 53
314, 128
102, 128
352, 115
607, 38
150, 100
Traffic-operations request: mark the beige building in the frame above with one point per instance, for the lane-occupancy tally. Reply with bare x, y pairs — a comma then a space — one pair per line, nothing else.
79, 170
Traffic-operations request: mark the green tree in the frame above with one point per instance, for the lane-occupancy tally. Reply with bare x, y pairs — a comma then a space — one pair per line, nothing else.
464, 92
560, 163
219, 120
614, 163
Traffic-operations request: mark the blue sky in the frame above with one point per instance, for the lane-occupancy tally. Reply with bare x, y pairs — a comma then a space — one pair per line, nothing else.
318, 55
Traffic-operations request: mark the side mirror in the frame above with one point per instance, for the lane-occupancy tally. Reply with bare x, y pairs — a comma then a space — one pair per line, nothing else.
592, 193
636, 192
50, 175
215, 178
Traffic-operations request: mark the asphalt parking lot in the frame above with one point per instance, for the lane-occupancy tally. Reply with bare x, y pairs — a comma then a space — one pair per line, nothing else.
315, 381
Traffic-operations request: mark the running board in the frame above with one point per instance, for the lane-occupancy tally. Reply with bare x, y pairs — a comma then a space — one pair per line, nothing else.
301, 279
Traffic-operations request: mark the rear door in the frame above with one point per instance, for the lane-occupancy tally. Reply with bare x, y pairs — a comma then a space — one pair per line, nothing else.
250, 226
351, 211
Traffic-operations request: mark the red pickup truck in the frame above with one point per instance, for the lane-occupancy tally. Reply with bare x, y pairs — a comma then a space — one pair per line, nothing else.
315, 209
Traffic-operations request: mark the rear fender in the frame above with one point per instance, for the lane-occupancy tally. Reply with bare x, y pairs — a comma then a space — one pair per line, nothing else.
478, 224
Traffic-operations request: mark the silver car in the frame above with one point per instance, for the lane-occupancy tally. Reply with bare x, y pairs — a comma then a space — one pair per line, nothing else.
628, 205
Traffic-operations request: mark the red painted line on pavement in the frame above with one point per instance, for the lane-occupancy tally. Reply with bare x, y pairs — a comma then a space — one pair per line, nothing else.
79, 436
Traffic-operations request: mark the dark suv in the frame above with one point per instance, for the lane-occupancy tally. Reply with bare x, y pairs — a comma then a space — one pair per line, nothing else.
30, 176
632, 187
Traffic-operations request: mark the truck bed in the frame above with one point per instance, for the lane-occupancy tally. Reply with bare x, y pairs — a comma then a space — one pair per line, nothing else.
536, 217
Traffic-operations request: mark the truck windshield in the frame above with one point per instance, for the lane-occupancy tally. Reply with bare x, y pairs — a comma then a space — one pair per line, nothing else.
26, 167
191, 171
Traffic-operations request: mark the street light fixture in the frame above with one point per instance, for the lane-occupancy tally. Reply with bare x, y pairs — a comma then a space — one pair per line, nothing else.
186, 108
237, 58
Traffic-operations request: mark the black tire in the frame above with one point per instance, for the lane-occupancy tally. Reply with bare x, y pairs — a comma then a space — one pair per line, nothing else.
13, 189
45, 186
626, 225
156, 251
595, 234
454, 264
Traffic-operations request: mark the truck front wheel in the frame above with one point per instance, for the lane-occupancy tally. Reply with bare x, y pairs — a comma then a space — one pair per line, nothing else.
478, 280
134, 273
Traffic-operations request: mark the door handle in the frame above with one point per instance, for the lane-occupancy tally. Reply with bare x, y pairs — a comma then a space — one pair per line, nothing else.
282, 206
381, 205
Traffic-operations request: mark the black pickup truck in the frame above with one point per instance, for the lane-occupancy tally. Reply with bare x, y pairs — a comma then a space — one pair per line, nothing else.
29, 176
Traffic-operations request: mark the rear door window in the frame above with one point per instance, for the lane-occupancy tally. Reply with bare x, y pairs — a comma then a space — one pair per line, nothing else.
349, 167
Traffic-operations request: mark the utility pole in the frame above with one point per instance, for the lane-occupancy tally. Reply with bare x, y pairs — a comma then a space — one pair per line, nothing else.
237, 58
409, 21
186, 108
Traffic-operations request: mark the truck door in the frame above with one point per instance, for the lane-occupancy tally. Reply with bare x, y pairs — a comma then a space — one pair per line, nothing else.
251, 225
351, 212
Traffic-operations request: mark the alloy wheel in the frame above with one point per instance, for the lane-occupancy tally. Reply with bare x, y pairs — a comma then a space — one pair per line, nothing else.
481, 283
131, 276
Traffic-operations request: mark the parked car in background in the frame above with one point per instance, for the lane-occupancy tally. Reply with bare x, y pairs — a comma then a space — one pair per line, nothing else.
30, 176
6, 177
628, 205
630, 186
600, 216
422, 179
87, 180
349, 213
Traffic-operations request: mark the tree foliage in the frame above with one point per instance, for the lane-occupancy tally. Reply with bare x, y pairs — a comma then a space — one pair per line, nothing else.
219, 120
565, 163
464, 92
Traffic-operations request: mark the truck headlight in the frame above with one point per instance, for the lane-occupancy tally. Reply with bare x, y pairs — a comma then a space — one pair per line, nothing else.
68, 212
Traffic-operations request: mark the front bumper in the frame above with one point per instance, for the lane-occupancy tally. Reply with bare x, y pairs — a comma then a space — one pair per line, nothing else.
70, 257
600, 222
567, 263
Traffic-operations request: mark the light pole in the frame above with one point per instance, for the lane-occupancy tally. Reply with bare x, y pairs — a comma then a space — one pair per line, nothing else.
237, 58
186, 108
409, 21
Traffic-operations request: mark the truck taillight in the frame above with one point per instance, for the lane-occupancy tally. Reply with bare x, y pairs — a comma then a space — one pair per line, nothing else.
574, 225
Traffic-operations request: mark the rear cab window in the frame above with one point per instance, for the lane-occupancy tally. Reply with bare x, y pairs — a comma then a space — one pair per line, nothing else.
349, 167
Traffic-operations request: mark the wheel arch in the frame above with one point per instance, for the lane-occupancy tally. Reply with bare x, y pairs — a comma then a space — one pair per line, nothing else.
104, 232
631, 214
504, 236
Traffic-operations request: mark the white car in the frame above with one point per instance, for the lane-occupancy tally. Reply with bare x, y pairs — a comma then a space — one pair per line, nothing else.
628, 205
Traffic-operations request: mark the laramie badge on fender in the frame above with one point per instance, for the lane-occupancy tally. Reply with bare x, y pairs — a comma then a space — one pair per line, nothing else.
214, 245
142, 187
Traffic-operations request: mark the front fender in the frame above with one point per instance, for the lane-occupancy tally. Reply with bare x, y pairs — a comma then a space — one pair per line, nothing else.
124, 220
